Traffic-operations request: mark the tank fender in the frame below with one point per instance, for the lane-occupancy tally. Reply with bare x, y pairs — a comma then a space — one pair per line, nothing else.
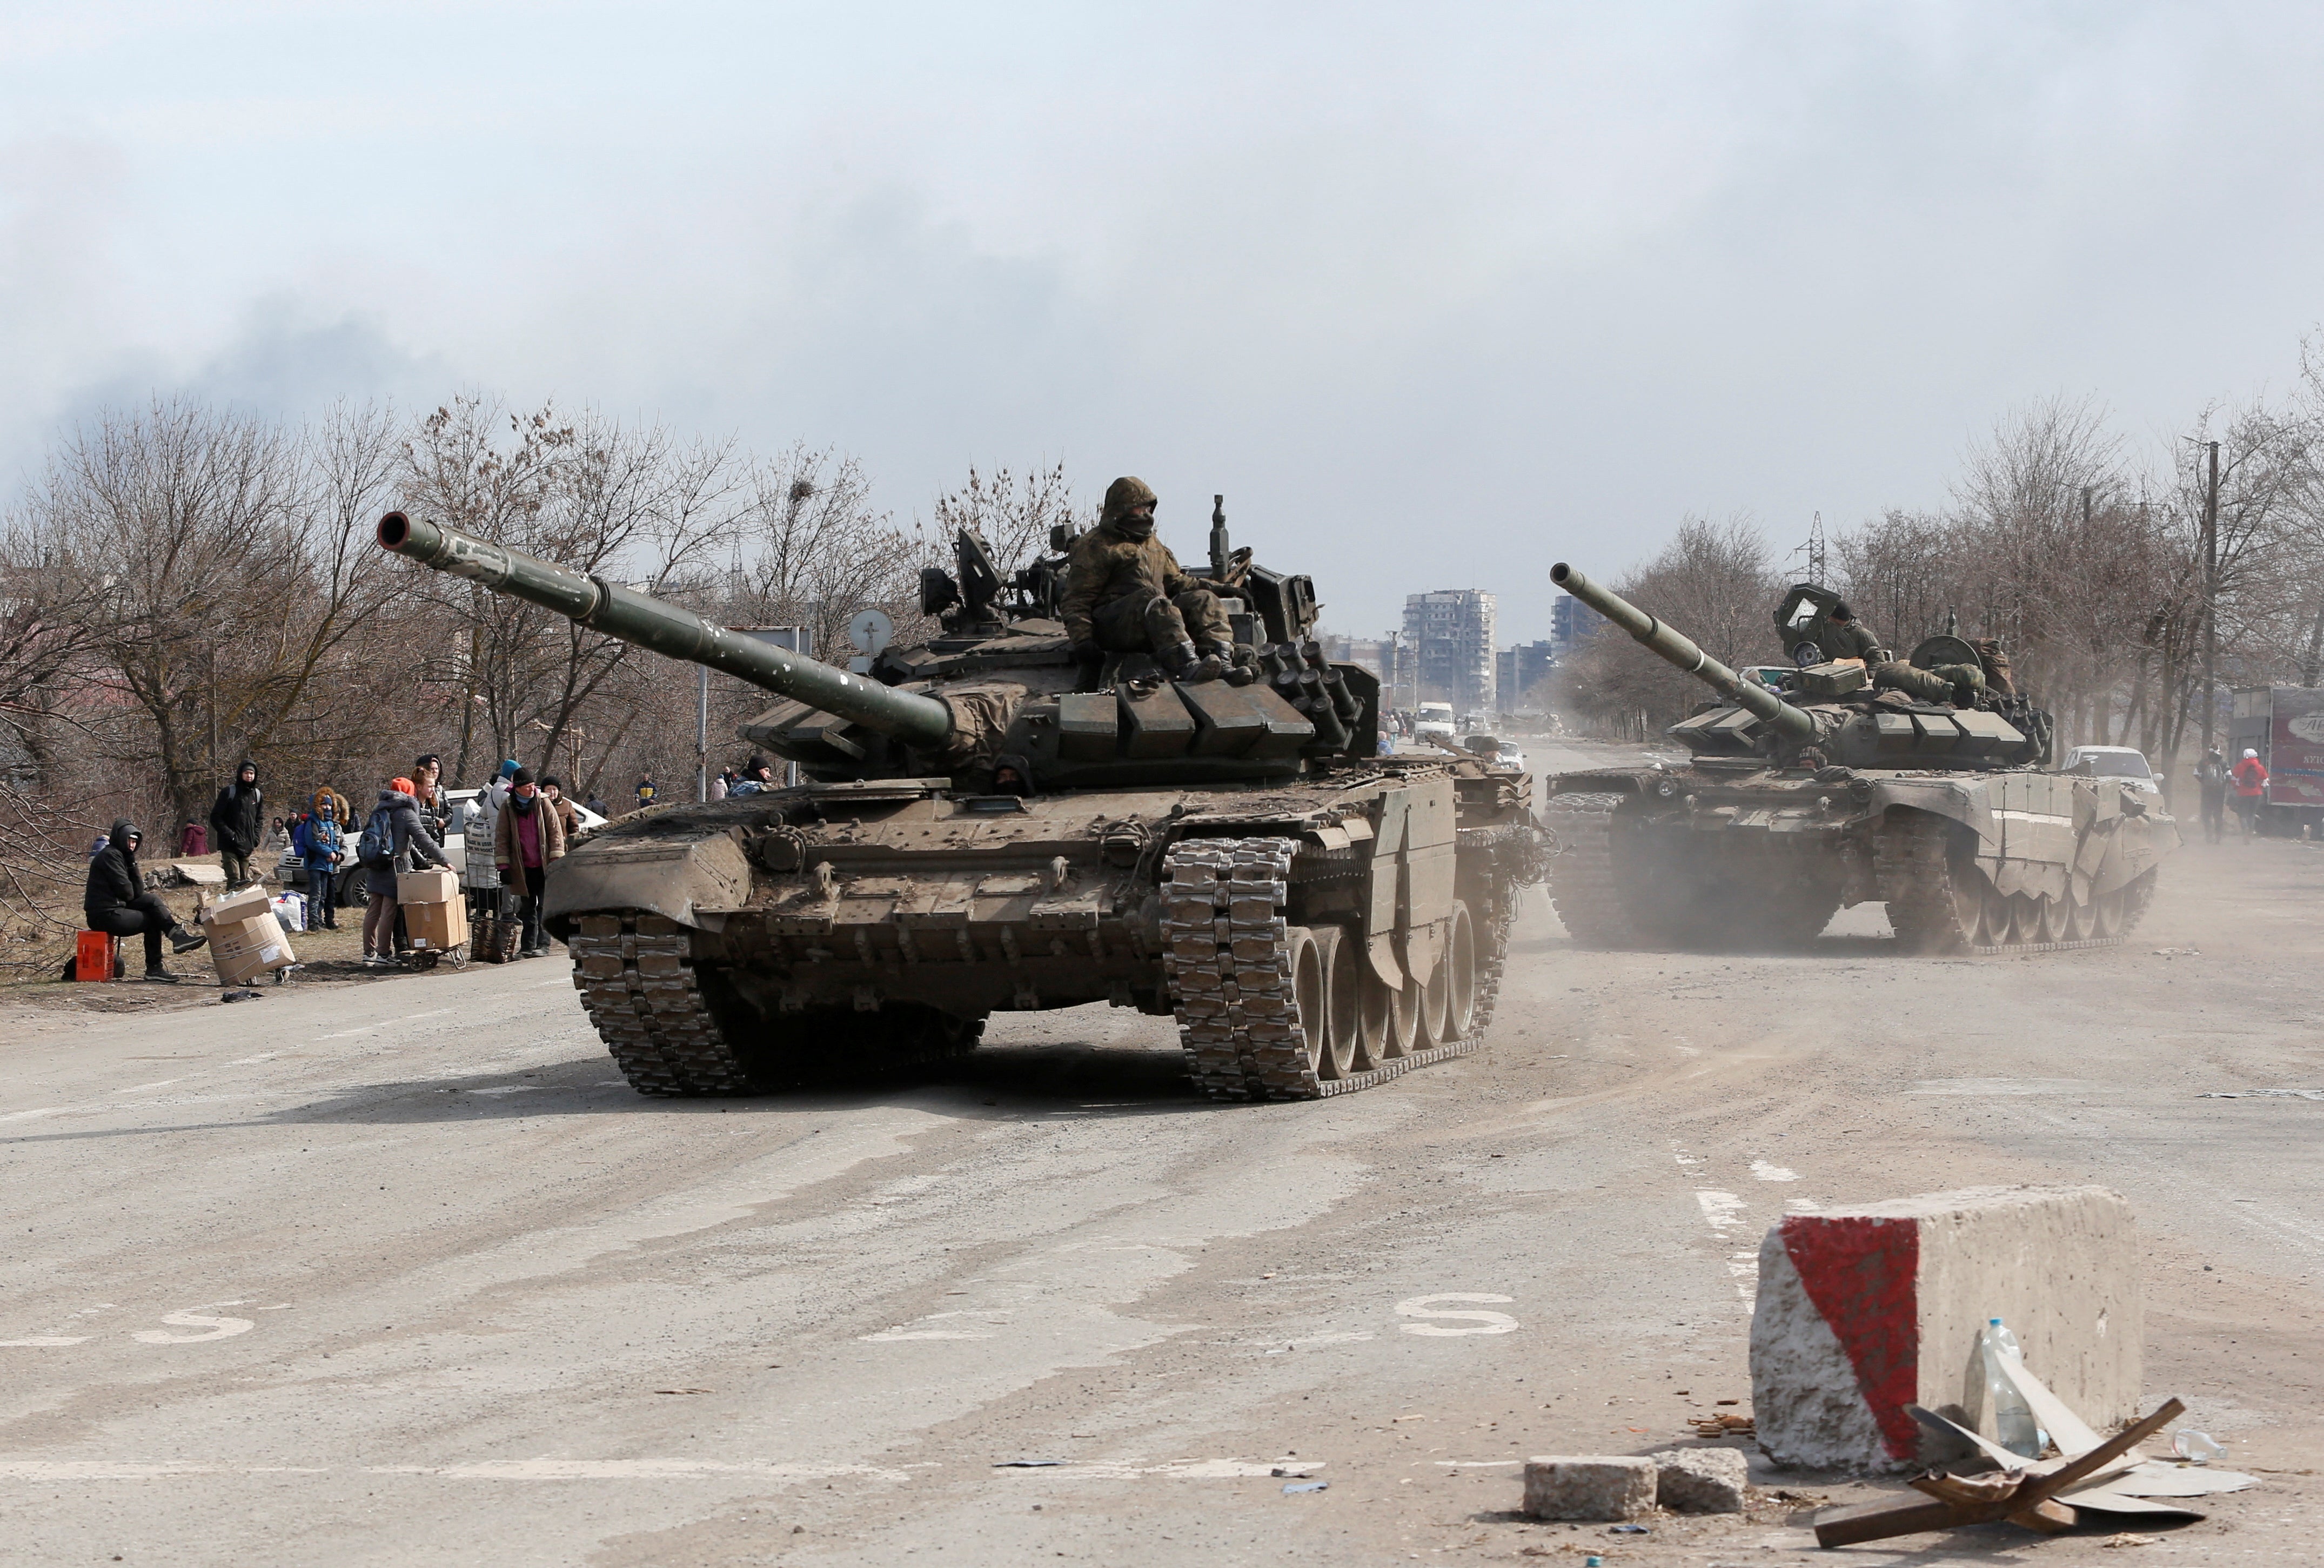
690, 880
1964, 802
1408, 905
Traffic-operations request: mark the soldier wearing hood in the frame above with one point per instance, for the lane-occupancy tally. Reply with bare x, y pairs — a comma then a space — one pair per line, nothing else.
238, 823
116, 902
1126, 593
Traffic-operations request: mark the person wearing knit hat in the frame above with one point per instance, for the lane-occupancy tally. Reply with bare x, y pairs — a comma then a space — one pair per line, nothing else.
528, 838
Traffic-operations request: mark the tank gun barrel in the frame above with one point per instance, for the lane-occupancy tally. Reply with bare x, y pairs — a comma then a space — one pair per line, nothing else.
668, 629
1682, 651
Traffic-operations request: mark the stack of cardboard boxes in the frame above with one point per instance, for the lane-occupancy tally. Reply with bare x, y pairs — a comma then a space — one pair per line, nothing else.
435, 917
246, 940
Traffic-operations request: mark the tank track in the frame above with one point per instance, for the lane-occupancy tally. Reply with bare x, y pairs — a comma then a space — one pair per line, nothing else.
635, 974
1581, 882
1917, 858
1227, 952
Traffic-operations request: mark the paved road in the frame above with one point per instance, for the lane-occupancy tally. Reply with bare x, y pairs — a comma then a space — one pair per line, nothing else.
401, 1272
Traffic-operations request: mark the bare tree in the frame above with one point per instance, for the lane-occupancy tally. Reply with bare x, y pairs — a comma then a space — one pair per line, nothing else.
1714, 582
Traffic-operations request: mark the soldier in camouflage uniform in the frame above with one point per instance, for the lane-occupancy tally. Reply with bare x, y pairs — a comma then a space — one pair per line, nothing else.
1126, 593
1846, 637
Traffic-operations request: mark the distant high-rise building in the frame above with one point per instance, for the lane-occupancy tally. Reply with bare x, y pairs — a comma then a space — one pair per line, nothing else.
1449, 637
1377, 654
1570, 621
1520, 670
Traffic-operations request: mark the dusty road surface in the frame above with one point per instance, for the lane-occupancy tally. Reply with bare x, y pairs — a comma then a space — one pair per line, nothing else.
402, 1272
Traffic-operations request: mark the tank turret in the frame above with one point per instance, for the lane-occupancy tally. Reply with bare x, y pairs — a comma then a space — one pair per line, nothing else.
1001, 680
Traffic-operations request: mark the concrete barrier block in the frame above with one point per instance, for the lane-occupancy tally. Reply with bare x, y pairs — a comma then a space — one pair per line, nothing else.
1702, 1481
1588, 1487
1863, 1311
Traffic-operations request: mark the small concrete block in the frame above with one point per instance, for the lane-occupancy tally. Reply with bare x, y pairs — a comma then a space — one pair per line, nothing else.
1702, 1480
196, 876
1863, 1311
1588, 1487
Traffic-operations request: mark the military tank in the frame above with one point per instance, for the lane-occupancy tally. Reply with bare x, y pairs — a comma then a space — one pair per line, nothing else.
1919, 783
986, 823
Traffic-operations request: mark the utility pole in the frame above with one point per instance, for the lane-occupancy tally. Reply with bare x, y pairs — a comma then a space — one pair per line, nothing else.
2210, 596
702, 735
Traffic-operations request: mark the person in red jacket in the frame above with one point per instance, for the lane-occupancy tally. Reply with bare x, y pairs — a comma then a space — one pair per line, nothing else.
2251, 784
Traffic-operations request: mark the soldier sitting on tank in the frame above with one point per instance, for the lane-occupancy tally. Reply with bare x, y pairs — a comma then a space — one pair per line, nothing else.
1125, 593
1995, 660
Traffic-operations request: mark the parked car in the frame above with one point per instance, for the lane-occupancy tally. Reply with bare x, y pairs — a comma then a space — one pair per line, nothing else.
2127, 763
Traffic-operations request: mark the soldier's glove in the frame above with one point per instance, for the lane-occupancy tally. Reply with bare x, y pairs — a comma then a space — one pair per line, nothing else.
1092, 659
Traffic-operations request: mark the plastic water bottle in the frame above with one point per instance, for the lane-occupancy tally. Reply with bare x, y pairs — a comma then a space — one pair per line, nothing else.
2013, 1419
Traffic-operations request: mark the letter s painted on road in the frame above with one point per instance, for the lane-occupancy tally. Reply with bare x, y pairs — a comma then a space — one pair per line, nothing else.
1488, 1323
220, 1328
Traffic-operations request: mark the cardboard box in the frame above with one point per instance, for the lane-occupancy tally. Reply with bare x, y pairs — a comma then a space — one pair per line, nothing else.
435, 927
244, 950
234, 907
433, 886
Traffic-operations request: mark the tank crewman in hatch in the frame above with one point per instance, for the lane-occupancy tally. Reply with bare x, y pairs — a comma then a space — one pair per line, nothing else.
1126, 592
1846, 637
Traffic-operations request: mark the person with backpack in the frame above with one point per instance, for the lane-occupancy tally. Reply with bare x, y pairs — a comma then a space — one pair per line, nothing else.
116, 902
393, 840
326, 848
238, 823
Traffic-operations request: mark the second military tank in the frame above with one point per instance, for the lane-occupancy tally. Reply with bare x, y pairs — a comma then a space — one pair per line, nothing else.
989, 824
1919, 783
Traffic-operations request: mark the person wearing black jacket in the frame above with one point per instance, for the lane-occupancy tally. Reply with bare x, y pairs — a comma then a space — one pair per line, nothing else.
238, 823
116, 902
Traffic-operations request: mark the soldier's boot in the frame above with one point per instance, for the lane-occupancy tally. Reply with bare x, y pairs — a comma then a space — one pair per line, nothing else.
1240, 664
1183, 664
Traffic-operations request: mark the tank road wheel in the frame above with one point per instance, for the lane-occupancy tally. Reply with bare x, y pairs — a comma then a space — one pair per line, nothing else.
2080, 921
2055, 923
1461, 982
1935, 897
1582, 881
1436, 1004
2106, 914
1309, 1016
1994, 922
1403, 1019
2025, 918
1343, 1012
1375, 1015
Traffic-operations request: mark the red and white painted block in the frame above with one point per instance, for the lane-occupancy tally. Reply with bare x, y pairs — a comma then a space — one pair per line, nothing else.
1863, 1311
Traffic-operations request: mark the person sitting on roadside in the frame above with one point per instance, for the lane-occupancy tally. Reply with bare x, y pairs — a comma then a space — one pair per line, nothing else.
116, 902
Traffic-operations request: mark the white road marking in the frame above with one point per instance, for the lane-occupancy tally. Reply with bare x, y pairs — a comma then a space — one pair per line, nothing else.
1182, 1469
1489, 1322
45, 1341
1773, 1173
1721, 1210
219, 1328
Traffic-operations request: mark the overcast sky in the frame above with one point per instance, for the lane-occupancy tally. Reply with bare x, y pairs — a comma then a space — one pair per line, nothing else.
1435, 294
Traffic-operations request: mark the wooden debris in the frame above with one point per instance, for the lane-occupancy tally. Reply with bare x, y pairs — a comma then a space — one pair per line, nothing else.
2020, 1495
